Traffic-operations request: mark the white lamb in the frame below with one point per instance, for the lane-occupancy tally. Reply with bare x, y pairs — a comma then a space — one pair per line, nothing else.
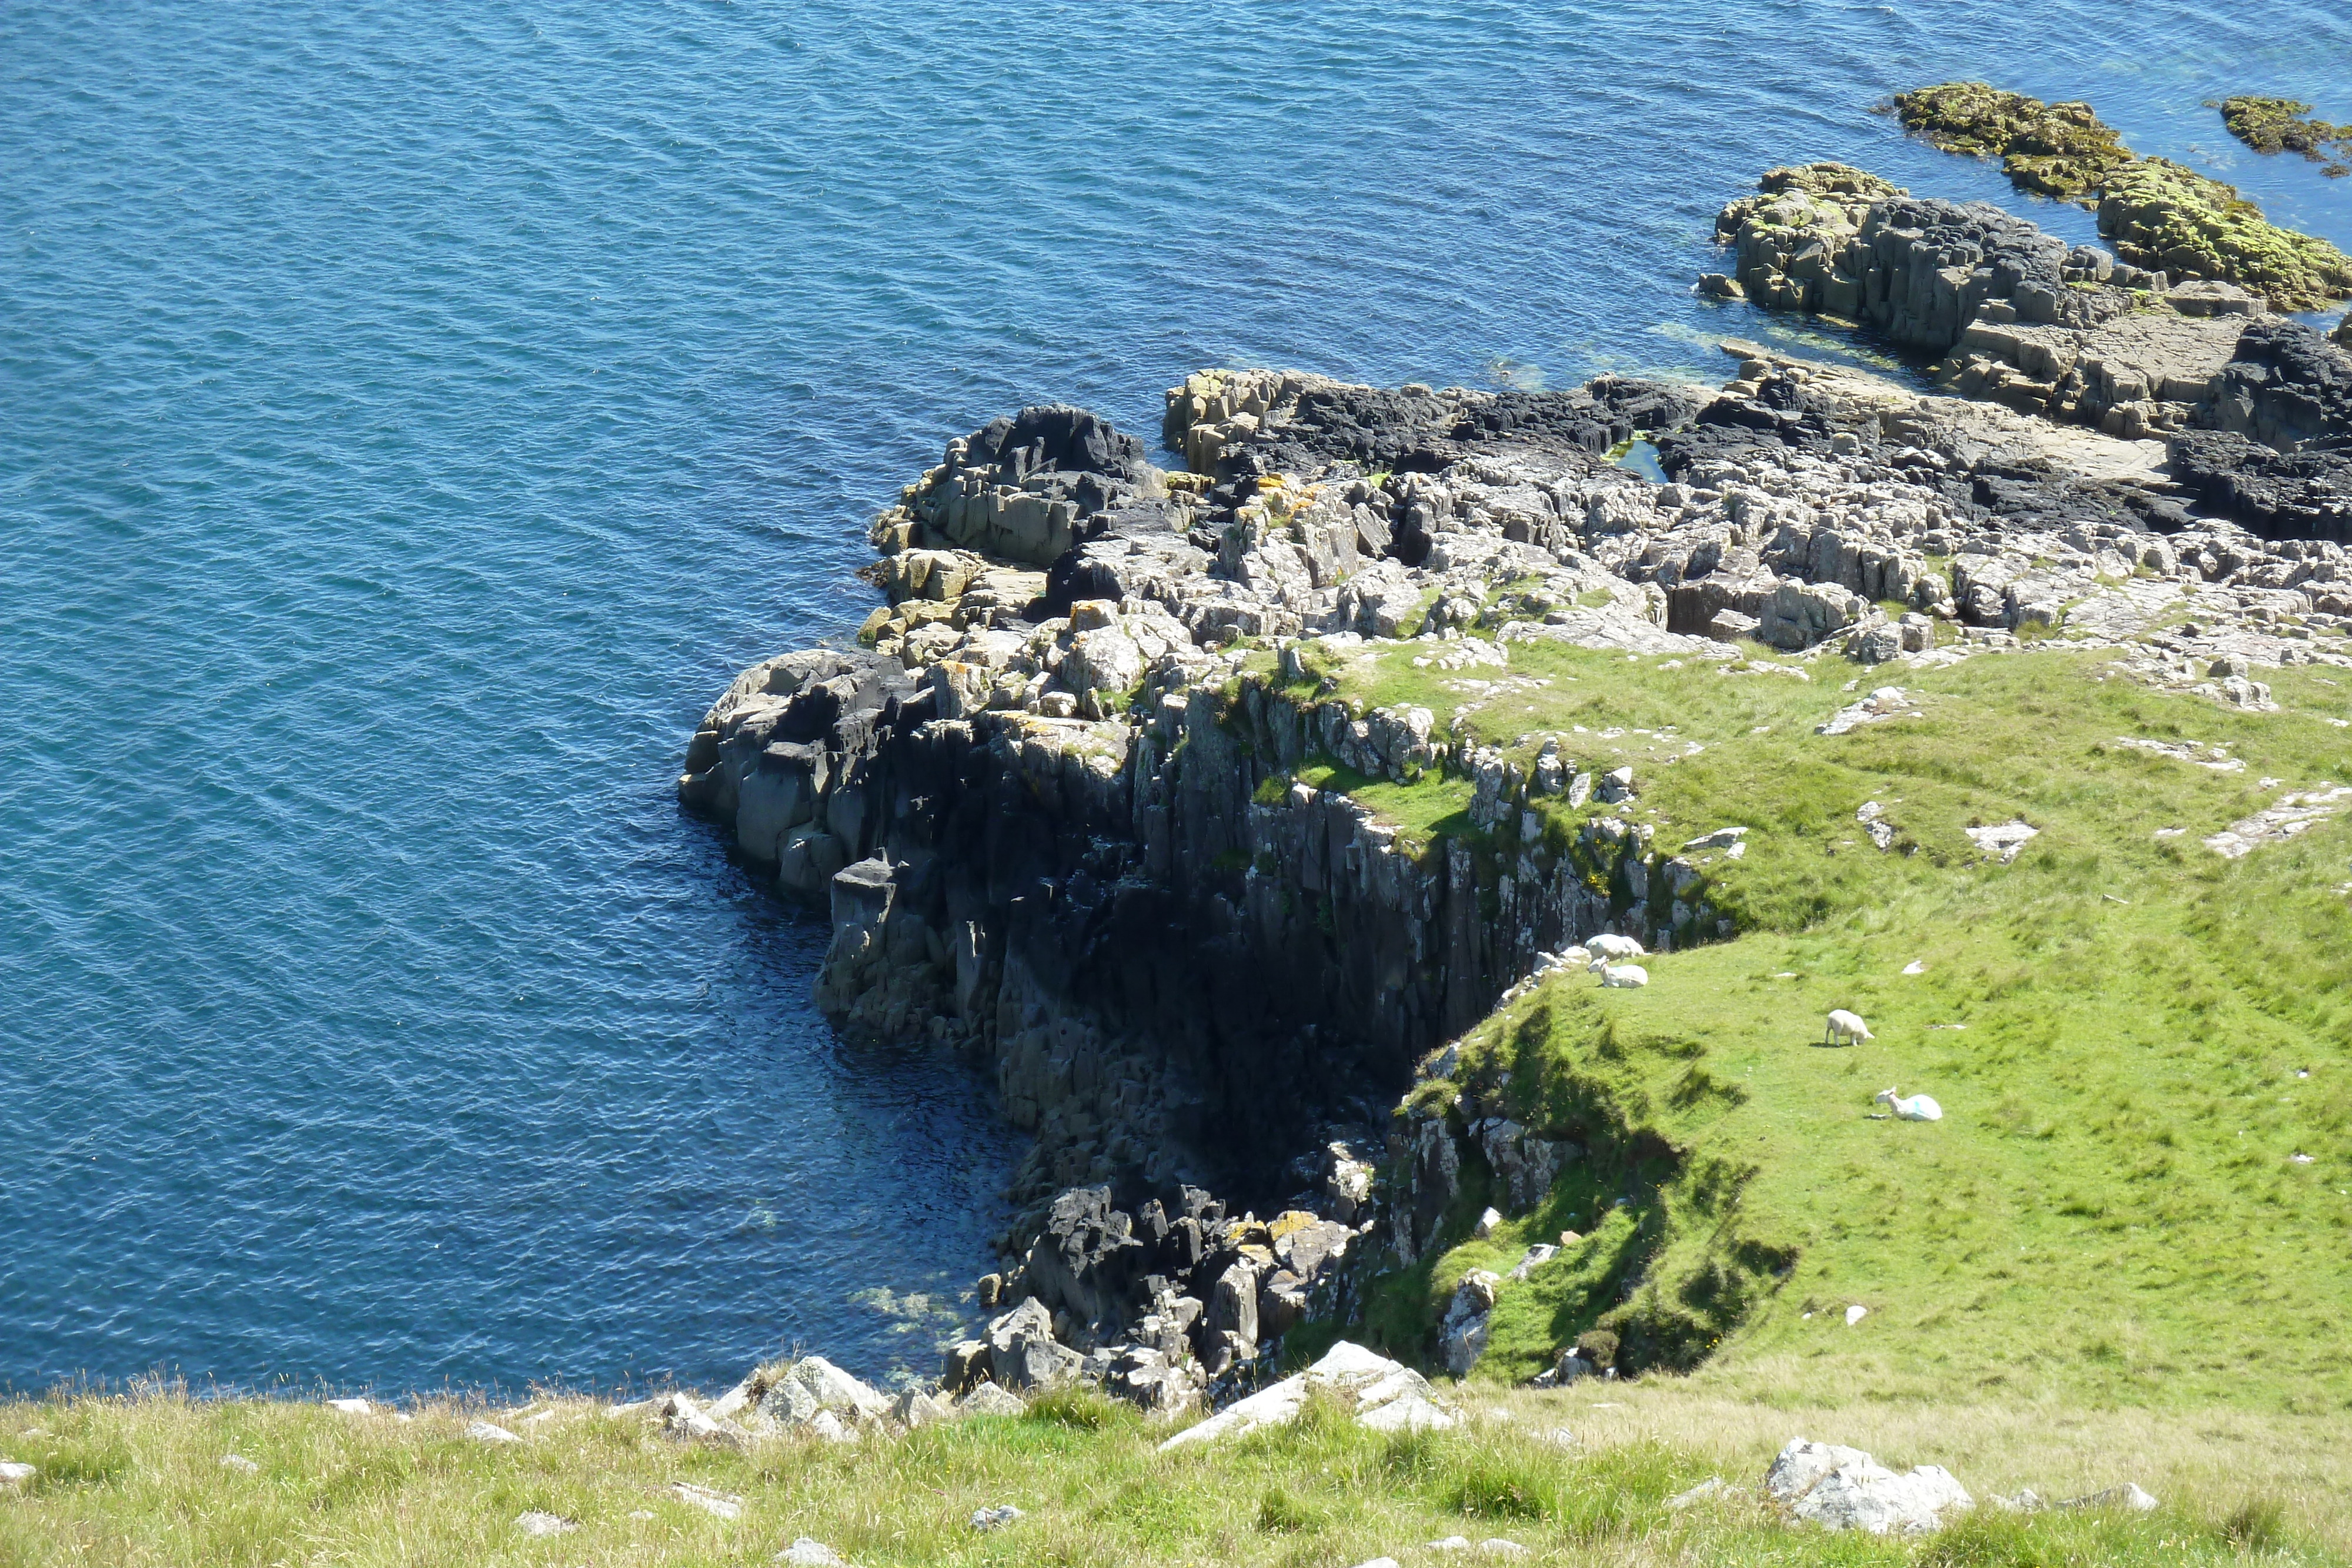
1916, 1108
1847, 1027
1625, 975
1615, 948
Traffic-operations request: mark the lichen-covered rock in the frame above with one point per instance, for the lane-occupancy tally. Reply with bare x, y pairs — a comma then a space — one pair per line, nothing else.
2163, 216
1916, 269
988, 1399
2285, 125
1790, 237
2061, 150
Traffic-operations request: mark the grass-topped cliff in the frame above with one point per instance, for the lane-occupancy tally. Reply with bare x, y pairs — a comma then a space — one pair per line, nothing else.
2132, 1035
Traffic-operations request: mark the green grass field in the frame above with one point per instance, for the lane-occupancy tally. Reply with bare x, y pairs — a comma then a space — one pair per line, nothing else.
2131, 1036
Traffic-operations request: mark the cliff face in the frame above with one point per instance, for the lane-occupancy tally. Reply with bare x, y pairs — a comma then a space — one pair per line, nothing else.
1181, 959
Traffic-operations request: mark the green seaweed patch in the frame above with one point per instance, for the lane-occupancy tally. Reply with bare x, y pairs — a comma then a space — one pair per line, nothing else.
2285, 125
2061, 150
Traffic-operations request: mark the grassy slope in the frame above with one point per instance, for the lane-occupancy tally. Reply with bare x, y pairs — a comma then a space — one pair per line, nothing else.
141, 1482
2108, 1212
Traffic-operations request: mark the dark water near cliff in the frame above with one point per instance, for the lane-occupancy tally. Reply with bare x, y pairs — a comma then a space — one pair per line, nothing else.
408, 422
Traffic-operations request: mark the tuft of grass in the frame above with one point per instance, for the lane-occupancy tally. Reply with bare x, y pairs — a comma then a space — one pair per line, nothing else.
1077, 1406
2257, 1524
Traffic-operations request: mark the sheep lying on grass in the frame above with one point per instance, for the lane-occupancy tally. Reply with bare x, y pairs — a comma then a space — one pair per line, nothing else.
1625, 976
1916, 1108
1845, 1028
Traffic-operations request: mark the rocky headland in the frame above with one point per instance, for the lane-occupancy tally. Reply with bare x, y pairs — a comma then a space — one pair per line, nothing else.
1097, 800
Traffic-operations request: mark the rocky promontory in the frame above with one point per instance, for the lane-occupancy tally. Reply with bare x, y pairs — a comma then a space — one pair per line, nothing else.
1096, 801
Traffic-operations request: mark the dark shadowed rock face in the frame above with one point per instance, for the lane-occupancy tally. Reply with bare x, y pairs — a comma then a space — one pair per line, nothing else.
2287, 386
2305, 495
1417, 430
1056, 438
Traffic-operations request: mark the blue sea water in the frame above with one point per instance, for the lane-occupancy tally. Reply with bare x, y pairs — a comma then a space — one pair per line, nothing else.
411, 416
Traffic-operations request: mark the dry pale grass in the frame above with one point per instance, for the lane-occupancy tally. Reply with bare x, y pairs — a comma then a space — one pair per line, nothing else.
2210, 1463
140, 1483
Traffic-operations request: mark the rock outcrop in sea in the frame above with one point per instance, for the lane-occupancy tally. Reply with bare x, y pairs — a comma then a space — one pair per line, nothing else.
2158, 214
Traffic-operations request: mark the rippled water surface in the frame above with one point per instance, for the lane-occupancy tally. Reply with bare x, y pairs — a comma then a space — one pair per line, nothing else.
411, 416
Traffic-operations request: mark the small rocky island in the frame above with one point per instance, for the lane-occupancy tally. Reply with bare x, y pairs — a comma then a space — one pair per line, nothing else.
1176, 784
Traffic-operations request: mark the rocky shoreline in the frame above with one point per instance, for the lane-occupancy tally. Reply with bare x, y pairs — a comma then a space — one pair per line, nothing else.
1083, 809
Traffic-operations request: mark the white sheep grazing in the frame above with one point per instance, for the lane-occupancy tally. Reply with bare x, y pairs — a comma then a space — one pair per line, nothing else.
1917, 1108
1625, 975
1617, 948
1846, 1027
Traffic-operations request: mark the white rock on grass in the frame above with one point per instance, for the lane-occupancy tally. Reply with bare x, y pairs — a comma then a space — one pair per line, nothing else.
1381, 1562
2127, 1497
239, 1462
1386, 1395
812, 1387
535, 1524
490, 1432
17, 1477
726, 1505
2002, 840
351, 1407
1498, 1546
1845, 1489
808, 1551
1451, 1543
988, 1399
993, 1518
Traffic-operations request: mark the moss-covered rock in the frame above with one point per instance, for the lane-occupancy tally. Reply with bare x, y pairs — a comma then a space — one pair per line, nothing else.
2061, 150
1809, 210
2284, 125
2161, 215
